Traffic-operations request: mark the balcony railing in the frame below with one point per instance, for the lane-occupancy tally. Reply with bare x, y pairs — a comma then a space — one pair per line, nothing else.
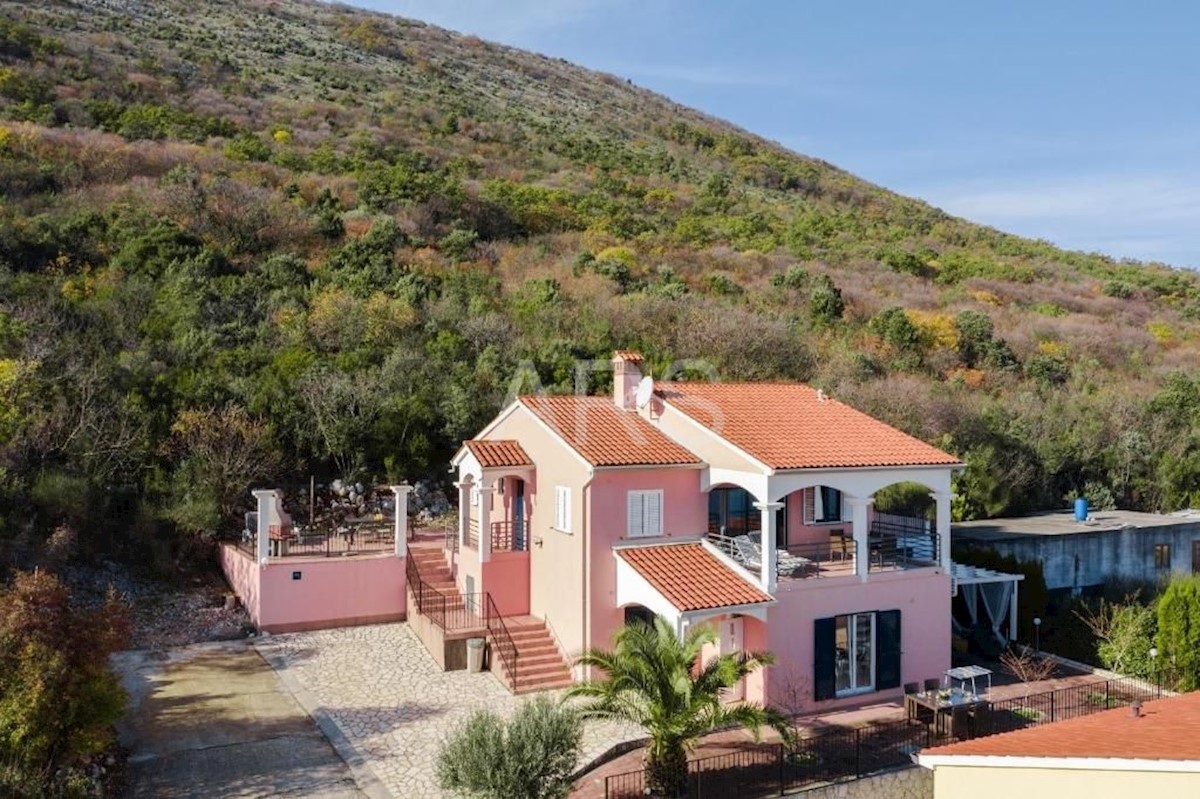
901, 543
507, 536
799, 561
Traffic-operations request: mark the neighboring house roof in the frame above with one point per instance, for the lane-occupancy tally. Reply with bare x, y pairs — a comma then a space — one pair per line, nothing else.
604, 435
1167, 729
792, 426
495, 453
692, 578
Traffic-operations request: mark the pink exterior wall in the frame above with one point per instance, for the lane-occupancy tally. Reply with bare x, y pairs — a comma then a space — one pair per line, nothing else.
331, 592
506, 578
242, 574
556, 557
922, 597
685, 514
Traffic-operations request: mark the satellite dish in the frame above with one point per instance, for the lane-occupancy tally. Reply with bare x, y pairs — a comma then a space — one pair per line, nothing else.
644, 390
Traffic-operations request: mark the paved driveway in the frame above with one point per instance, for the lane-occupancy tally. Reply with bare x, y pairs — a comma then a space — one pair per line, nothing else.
389, 703
212, 720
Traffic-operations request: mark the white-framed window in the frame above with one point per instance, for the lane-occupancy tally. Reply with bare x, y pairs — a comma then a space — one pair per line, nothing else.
562, 508
644, 510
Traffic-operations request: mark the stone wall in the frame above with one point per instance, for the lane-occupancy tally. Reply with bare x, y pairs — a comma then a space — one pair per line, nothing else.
907, 783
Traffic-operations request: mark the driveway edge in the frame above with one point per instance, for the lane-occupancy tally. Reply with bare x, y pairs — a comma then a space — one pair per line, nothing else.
364, 776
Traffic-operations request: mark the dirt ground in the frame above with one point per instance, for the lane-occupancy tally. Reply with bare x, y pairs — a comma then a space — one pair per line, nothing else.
212, 720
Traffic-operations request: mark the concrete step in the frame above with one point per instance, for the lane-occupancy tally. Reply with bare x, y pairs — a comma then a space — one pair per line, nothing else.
542, 685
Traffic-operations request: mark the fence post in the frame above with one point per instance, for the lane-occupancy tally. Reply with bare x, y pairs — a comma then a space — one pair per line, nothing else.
782, 779
1052, 693
1107, 694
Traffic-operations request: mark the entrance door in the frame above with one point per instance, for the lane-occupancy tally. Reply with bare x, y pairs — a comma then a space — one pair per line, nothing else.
519, 515
731, 641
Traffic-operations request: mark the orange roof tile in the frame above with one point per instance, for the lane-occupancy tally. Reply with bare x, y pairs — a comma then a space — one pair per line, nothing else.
632, 356
792, 426
497, 453
1168, 729
692, 578
605, 435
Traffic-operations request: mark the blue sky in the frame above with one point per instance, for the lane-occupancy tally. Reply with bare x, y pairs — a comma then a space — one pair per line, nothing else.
1069, 120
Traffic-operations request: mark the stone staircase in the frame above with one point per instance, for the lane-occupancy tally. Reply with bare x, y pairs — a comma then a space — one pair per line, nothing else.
540, 667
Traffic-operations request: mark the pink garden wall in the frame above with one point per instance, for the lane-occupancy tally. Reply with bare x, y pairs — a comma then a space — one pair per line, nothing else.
315, 593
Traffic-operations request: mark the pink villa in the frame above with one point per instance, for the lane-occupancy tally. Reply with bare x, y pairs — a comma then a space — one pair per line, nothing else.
746, 506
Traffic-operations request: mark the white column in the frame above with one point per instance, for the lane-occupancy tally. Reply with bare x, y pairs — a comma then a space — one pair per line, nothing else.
1012, 612
770, 534
464, 511
266, 503
861, 527
485, 525
401, 514
943, 527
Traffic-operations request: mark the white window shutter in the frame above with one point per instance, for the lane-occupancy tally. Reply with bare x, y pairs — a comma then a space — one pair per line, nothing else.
562, 508
809, 505
635, 514
652, 513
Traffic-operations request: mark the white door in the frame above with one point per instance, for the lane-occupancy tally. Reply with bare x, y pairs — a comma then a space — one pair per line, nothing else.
730, 642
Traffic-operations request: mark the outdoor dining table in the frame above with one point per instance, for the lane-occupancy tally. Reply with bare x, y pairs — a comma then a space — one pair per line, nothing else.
940, 705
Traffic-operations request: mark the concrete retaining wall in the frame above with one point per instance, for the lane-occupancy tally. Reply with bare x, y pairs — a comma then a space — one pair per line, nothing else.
907, 783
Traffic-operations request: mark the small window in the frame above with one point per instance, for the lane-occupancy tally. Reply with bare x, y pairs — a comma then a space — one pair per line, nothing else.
644, 510
562, 508
1162, 556
822, 505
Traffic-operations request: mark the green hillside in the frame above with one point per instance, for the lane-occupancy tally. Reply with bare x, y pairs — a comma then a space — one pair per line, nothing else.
247, 239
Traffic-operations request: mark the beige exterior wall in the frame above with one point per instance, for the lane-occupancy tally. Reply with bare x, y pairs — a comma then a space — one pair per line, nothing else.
556, 568
982, 782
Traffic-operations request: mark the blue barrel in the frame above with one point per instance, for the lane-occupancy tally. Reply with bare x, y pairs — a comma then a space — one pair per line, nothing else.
1081, 509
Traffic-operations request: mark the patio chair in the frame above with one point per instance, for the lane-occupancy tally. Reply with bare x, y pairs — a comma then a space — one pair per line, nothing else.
746, 552
932, 684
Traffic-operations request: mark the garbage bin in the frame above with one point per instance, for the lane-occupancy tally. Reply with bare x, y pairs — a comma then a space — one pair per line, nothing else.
475, 655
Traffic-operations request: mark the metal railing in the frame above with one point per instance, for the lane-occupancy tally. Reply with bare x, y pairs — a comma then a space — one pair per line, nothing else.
816, 559
509, 536
903, 546
502, 641
836, 754
449, 612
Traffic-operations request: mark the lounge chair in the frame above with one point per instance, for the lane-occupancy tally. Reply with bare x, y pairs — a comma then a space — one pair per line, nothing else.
749, 553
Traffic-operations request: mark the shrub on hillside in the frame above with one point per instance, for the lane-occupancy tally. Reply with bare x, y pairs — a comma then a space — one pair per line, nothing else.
532, 755
58, 696
1179, 629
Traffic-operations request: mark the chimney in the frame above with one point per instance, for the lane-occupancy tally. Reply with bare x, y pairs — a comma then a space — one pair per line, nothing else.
627, 373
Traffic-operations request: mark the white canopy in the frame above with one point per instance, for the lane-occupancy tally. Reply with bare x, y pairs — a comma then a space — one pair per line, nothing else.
997, 591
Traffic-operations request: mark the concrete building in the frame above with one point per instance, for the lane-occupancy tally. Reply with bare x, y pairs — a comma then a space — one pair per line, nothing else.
1077, 556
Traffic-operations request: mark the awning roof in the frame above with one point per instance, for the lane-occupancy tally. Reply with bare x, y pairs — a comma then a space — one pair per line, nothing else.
685, 582
962, 574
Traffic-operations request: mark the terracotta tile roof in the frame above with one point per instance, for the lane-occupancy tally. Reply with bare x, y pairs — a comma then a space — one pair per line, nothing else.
628, 355
605, 435
792, 426
691, 577
1168, 729
497, 453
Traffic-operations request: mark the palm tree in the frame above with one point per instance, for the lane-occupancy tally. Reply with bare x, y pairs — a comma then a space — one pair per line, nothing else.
653, 679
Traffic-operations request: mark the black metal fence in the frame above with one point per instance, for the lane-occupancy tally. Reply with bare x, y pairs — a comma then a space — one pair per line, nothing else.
838, 754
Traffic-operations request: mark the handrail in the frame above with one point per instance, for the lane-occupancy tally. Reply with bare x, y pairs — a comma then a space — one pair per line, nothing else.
502, 641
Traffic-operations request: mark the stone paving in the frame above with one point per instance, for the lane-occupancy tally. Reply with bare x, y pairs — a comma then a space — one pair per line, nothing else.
391, 705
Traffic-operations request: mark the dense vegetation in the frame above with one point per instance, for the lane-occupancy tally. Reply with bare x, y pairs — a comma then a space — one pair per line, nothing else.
252, 238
